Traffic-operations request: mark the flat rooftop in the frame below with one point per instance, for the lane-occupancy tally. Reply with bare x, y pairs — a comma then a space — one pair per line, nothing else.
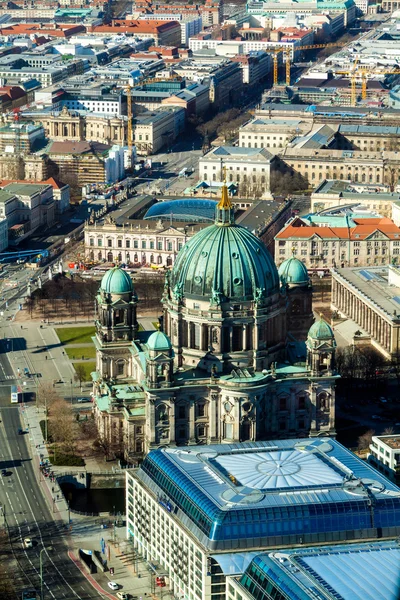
263, 493
345, 572
392, 441
372, 283
354, 191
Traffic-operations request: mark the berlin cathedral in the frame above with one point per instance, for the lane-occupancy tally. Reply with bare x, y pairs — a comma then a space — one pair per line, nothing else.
239, 357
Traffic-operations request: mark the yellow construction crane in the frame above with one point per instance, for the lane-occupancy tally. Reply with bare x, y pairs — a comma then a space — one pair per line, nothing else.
129, 114
287, 50
359, 72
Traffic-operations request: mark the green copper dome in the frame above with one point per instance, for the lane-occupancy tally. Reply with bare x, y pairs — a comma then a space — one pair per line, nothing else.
224, 262
159, 342
293, 271
321, 330
116, 281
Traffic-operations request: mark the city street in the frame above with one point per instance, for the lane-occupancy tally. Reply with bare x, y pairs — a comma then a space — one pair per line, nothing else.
26, 514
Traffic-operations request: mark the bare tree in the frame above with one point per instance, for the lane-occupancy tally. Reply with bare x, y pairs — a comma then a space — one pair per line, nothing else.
80, 373
63, 425
365, 440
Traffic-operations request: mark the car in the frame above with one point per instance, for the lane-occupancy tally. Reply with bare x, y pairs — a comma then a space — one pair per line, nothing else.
382, 399
112, 585
20, 432
123, 596
28, 543
82, 400
376, 417
26, 371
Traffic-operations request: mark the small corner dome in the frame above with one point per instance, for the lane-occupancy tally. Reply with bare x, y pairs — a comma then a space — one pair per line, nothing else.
116, 281
293, 271
321, 330
159, 342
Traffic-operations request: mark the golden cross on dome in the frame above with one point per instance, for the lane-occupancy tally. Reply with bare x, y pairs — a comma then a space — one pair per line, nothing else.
225, 201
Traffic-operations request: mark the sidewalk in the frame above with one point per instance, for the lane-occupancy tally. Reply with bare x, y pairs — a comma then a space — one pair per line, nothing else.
130, 572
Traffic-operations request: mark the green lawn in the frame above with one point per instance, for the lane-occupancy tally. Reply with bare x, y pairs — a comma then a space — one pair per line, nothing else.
88, 366
75, 335
80, 353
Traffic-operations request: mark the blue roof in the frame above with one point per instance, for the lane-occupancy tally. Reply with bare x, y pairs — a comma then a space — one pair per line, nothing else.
293, 271
194, 211
116, 281
321, 330
158, 342
269, 493
228, 261
367, 571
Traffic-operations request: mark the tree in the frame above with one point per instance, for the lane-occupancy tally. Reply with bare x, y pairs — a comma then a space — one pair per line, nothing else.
63, 425
365, 440
80, 373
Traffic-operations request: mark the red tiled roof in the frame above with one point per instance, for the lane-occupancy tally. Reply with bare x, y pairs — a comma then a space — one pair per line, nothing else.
361, 231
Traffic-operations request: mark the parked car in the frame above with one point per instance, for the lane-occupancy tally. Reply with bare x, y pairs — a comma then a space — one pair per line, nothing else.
123, 596
113, 585
28, 543
82, 400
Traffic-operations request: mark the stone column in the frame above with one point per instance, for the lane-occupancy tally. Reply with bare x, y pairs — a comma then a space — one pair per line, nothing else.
212, 419
244, 338
313, 398
192, 432
171, 415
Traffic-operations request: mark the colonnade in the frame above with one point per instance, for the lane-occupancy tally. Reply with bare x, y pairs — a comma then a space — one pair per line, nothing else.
347, 302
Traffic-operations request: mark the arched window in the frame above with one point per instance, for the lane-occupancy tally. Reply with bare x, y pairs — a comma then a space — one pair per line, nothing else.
159, 259
169, 261
152, 258
110, 256
99, 256
119, 257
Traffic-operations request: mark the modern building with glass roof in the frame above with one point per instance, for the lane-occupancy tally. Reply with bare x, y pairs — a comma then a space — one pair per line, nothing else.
368, 571
192, 211
227, 503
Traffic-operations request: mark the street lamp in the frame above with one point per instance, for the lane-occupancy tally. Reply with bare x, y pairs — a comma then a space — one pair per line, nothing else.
41, 568
72, 392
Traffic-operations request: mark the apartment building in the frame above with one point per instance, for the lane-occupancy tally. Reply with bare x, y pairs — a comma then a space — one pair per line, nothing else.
356, 243
154, 130
249, 167
385, 455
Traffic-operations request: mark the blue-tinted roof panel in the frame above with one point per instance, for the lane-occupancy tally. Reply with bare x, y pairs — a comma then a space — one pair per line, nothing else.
193, 210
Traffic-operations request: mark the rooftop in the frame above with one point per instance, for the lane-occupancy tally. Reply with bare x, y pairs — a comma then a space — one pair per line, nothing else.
275, 490
346, 572
25, 189
373, 285
393, 441
363, 229
193, 211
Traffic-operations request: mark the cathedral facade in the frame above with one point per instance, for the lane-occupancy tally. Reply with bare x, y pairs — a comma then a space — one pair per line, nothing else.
239, 358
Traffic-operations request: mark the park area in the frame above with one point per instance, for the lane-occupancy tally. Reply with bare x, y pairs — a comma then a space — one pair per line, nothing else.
79, 348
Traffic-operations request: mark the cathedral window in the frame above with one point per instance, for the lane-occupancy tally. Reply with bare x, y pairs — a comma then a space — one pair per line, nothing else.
139, 446
182, 412
196, 337
120, 368
237, 335
201, 410
181, 433
282, 403
228, 431
282, 425
302, 402
201, 431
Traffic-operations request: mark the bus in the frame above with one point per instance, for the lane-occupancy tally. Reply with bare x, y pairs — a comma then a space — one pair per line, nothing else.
16, 394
